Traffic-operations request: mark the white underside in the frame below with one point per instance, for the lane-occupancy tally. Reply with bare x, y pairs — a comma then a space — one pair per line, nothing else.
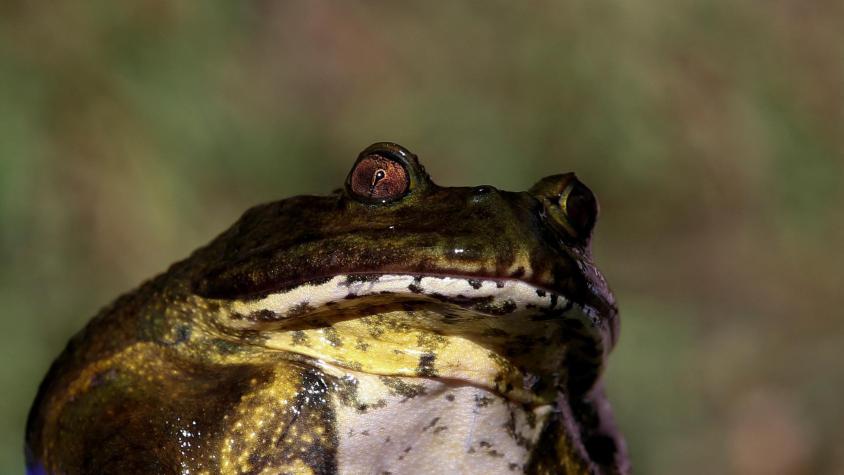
451, 428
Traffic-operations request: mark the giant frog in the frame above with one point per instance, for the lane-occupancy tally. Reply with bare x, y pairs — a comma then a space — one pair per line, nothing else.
391, 327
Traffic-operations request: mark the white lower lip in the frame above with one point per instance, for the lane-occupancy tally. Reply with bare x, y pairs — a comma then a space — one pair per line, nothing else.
338, 288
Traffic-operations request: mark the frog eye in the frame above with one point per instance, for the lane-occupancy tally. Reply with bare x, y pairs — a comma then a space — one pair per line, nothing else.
571, 203
378, 178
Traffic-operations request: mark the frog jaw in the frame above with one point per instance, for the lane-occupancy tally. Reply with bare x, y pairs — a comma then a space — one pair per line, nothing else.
502, 334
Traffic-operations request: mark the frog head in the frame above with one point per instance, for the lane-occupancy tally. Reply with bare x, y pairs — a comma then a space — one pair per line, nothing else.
389, 301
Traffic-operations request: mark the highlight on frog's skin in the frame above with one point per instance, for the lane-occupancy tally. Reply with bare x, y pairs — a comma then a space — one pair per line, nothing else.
394, 326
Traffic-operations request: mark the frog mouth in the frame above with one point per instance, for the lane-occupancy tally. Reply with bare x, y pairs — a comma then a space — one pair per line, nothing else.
502, 334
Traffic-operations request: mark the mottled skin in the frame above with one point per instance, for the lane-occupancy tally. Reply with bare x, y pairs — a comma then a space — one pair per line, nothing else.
197, 372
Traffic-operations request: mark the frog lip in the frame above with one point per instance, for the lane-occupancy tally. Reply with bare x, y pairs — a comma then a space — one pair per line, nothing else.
495, 296
492, 296
463, 289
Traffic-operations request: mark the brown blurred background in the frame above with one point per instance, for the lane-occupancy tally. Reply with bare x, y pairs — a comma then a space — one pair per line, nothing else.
713, 133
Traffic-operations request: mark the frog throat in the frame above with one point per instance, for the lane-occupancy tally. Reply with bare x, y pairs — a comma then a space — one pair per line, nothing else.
505, 335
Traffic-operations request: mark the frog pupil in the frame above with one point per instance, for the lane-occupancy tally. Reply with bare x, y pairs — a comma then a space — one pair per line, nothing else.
379, 175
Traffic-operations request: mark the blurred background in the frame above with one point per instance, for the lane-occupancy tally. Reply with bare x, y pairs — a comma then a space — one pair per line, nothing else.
713, 133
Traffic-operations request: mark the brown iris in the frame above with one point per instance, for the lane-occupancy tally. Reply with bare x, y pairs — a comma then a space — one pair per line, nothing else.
378, 178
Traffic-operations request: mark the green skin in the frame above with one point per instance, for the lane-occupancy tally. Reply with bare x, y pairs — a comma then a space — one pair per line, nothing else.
159, 356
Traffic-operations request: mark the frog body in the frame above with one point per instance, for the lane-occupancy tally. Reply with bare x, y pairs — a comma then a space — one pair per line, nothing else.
394, 326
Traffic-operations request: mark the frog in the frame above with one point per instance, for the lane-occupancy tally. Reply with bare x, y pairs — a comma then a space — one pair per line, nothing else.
392, 326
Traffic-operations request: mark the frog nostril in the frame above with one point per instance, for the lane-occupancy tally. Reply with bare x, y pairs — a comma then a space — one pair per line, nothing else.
483, 189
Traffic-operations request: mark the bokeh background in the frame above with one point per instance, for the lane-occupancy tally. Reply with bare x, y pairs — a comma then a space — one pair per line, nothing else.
713, 133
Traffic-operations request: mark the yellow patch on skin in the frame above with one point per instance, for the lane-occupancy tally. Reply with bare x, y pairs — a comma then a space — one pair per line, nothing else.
260, 418
397, 352
297, 467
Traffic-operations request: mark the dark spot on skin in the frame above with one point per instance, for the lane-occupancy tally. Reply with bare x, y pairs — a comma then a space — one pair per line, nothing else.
484, 444
103, 377
366, 432
552, 313
401, 388
299, 337
354, 278
520, 272
499, 284
512, 466
431, 424
264, 315
414, 288
407, 449
181, 334
332, 337
440, 429
449, 397
471, 450
482, 401
495, 453
361, 345
350, 296
531, 418
299, 310
505, 308
226, 347
426, 365
476, 284
510, 427
540, 292
553, 303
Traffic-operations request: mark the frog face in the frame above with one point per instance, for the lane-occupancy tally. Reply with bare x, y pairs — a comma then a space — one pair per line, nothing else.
379, 308
390, 218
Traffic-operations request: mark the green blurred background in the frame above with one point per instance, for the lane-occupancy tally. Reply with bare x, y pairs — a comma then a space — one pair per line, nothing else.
712, 131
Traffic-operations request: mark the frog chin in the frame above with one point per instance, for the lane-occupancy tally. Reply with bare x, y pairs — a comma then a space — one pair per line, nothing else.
505, 335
